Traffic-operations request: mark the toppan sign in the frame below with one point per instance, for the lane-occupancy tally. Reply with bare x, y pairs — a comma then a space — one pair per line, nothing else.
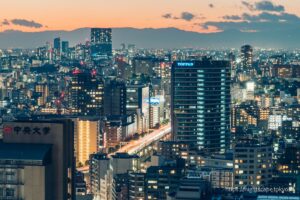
185, 64
26, 130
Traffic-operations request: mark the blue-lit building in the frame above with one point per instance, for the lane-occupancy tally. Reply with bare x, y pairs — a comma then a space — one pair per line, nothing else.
57, 48
57, 44
64, 46
200, 104
101, 43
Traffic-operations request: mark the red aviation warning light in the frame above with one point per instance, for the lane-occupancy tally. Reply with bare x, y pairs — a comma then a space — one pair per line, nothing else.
82, 62
76, 71
94, 72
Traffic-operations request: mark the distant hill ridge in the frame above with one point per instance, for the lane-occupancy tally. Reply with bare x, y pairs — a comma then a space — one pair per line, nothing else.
157, 38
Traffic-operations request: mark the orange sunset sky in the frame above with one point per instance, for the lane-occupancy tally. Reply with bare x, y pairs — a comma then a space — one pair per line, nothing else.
72, 14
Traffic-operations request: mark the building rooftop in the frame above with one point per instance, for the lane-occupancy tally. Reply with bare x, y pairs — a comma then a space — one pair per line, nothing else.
100, 156
84, 197
28, 154
252, 143
124, 155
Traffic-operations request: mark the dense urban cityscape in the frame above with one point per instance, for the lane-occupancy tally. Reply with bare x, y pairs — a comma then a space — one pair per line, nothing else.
90, 122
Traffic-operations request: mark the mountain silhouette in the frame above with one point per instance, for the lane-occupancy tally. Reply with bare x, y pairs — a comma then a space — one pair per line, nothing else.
158, 38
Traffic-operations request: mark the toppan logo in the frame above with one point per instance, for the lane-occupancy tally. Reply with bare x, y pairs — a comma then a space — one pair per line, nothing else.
26, 130
185, 64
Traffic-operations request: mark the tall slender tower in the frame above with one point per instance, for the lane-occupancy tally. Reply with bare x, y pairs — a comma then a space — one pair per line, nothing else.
200, 104
57, 48
247, 58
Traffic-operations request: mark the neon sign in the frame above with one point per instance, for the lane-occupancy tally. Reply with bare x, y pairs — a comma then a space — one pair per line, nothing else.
153, 101
185, 64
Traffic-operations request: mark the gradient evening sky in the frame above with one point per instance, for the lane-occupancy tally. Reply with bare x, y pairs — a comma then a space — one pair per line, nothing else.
72, 14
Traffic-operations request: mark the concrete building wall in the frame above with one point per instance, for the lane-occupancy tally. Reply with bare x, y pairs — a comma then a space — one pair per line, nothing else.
34, 183
60, 134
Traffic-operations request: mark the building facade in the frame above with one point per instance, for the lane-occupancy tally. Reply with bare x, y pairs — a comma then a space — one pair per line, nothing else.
101, 43
42, 160
200, 104
115, 98
252, 163
86, 94
86, 138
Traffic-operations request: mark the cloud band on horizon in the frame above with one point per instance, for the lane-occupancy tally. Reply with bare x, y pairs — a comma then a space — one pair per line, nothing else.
22, 22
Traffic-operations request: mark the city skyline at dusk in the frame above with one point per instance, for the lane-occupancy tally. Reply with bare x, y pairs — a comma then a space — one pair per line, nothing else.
150, 100
191, 15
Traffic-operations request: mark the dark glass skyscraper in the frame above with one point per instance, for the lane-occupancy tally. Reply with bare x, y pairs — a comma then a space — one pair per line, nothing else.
101, 43
57, 44
115, 98
64, 46
57, 48
200, 104
86, 94
247, 58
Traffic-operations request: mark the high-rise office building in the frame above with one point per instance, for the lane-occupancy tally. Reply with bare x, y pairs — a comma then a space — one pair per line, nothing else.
80, 184
57, 44
99, 166
64, 46
115, 98
37, 160
136, 186
200, 104
289, 161
116, 128
252, 163
108, 175
247, 58
112, 133
160, 180
86, 94
120, 164
246, 114
42, 92
57, 48
154, 116
86, 134
101, 43
120, 187
124, 162
16, 178
138, 98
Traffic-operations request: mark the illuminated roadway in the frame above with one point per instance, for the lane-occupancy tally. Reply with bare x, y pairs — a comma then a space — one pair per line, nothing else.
135, 146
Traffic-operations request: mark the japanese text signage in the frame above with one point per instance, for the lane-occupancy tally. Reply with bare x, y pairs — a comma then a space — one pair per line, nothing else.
26, 130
